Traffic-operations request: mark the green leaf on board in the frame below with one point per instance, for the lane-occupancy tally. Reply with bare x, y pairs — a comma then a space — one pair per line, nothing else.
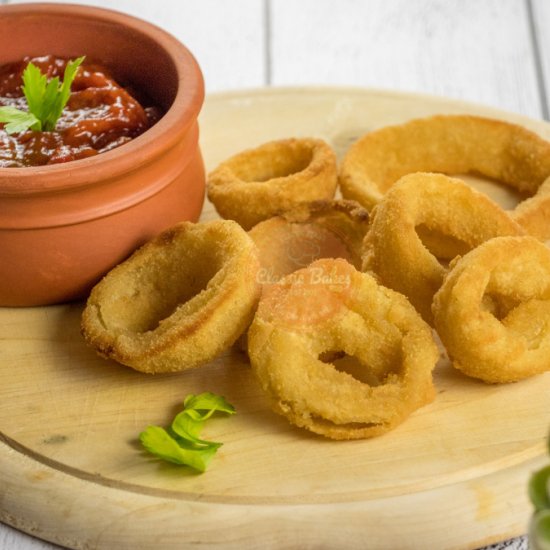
181, 443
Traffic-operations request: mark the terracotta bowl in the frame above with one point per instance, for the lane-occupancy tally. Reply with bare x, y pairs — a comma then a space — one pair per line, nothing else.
63, 226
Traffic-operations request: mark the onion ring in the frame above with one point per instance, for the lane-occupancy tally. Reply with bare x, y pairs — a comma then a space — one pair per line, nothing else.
455, 217
312, 230
330, 307
492, 313
178, 301
453, 144
534, 213
259, 183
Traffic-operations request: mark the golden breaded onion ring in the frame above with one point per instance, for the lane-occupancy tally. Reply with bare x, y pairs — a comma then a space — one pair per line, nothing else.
454, 217
453, 144
178, 301
308, 232
492, 313
258, 183
534, 213
330, 307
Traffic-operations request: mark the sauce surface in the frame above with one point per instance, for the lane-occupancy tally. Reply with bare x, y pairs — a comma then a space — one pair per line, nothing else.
100, 115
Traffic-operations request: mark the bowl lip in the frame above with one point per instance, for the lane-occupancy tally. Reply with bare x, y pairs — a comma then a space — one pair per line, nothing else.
139, 151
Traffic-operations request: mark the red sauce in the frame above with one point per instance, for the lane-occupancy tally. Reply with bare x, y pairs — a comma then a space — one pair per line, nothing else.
100, 115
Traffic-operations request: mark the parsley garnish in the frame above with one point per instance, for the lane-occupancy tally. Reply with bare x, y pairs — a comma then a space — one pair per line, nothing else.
180, 443
45, 100
539, 492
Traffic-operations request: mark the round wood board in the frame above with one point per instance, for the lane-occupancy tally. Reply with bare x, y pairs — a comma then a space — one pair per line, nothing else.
454, 475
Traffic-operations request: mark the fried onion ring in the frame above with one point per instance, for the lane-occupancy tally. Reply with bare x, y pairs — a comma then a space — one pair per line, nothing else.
330, 307
312, 230
259, 183
455, 217
453, 144
492, 313
178, 301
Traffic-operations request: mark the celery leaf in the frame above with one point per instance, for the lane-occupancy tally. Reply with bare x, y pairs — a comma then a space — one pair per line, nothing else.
209, 403
161, 444
181, 442
45, 100
17, 121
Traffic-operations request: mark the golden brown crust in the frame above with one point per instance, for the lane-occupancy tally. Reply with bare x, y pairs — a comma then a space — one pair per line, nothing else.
326, 209
492, 313
258, 183
455, 217
452, 144
331, 307
534, 213
178, 301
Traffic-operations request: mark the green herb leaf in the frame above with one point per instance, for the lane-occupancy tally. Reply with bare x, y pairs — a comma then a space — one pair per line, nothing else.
68, 76
539, 531
209, 403
160, 443
34, 87
189, 429
539, 489
17, 121
60, 95
181, 443
48, 106
45, 99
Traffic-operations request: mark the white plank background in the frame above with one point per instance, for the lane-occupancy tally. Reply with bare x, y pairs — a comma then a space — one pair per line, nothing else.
479, 51
495, 52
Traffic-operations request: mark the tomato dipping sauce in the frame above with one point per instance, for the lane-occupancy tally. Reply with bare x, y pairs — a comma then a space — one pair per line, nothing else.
100, 115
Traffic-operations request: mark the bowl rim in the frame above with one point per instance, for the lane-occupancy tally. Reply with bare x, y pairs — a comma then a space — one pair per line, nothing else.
140, 150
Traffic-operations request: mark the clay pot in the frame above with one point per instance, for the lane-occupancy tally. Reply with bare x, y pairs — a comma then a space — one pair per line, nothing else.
63, 226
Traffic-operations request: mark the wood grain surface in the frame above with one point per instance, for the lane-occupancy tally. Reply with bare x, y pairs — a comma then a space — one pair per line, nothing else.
497, 52
452, 476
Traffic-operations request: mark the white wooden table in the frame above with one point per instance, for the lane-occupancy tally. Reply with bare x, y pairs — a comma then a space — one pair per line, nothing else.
495, 52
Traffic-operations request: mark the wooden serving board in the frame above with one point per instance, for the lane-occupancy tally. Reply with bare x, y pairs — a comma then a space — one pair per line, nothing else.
453, 476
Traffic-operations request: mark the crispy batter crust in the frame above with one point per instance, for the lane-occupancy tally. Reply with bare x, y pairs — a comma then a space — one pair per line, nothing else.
178, 301
354, 315
453, 144
493, 311
449, 215
258, 183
